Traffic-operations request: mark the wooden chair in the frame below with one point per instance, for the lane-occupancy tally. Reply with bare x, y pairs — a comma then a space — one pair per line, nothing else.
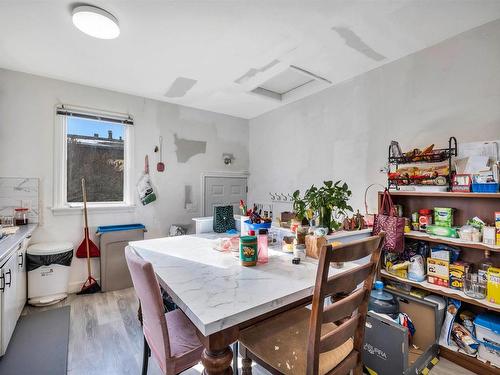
171, 338
328, 339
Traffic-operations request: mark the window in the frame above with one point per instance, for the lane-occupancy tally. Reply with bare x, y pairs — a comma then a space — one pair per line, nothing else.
94, 146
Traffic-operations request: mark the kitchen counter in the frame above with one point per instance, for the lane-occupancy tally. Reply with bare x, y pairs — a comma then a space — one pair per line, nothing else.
8, 244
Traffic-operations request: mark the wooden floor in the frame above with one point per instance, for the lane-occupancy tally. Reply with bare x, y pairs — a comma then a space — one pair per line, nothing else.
106, 338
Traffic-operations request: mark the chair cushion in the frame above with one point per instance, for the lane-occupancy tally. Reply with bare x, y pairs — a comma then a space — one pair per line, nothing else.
182, 335
281, 342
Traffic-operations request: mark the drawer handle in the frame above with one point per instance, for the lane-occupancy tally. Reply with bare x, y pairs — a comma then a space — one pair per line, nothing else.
22, 260
10, 278
2, 283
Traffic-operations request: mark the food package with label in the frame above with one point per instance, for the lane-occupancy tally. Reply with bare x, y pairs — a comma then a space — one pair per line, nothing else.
464, 339
457, 274
437, 230
445, 252
489, 235
438, 272
497, 226
443, 216
493, 285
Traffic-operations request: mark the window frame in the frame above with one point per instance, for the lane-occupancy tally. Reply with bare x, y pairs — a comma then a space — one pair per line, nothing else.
60, 203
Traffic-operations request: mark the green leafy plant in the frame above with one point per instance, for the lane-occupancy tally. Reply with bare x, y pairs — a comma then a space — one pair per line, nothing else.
330, 201
299, 205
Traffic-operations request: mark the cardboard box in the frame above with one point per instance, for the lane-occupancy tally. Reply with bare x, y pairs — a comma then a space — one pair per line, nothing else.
438, 253
438, 272
457, 274
493, 286
443, 216
497, 226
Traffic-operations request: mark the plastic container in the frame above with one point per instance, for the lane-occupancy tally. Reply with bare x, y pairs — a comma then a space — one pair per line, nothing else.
112, 241
262, 245
48, 265
256, 227
424, 218
382, 302
488, 333
490, 187
441, 306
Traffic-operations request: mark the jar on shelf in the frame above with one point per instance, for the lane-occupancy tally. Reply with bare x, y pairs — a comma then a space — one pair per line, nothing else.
21, 216
424, 218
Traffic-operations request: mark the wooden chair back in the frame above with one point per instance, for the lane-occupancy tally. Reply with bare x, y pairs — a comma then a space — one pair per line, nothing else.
350, 304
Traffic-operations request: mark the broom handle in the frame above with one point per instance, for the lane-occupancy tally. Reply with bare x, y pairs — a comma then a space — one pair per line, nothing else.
86, 226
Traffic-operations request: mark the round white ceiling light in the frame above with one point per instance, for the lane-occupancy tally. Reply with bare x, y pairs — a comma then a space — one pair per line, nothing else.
95, 22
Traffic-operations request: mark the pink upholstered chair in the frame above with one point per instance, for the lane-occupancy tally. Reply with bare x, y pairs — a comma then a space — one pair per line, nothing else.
171, 338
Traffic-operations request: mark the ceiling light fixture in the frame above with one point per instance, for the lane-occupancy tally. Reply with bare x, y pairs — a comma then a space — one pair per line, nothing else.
95, 22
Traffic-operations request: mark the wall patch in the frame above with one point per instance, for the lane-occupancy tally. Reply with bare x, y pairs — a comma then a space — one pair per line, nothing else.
187, 148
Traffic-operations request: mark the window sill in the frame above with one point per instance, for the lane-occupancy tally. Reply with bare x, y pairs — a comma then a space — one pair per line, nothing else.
101, 209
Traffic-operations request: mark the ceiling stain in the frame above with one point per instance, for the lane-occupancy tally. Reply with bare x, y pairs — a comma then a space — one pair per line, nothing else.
187, 148
352, 40
180, 87
253, 71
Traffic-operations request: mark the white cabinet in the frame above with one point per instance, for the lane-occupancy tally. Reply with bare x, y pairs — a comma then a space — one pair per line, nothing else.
9, 305
22, 284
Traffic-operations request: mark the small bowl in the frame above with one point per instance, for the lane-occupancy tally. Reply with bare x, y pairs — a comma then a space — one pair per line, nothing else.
256, 227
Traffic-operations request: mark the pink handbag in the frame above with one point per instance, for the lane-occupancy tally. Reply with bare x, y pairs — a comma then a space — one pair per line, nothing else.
393, 226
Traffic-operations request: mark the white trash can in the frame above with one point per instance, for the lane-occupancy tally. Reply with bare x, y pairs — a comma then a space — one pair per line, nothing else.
48, 265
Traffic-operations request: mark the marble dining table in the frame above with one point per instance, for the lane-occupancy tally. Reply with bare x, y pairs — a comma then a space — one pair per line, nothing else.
220, 296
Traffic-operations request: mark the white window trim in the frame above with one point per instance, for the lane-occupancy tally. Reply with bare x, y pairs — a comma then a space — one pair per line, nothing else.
60, 206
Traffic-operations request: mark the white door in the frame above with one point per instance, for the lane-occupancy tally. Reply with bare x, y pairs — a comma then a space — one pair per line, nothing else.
223, 191
8, 274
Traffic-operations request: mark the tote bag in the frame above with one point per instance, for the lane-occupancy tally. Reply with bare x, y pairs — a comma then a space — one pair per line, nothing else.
223, 219
393, 226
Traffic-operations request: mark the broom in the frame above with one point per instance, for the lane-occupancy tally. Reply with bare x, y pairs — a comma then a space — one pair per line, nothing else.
90, 285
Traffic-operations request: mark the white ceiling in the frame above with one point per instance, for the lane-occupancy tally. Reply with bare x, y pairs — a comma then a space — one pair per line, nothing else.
216, 52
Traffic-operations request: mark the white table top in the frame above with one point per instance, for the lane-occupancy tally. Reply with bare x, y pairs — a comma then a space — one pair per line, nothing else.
215, 291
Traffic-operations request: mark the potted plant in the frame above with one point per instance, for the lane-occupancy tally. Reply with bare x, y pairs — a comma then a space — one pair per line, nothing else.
299, 206
330, 201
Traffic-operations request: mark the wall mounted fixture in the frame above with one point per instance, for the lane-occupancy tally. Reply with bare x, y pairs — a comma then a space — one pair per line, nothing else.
228, 158
95, 22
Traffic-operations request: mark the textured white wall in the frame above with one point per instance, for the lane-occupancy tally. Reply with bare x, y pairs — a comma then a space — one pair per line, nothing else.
452, 88
26, 150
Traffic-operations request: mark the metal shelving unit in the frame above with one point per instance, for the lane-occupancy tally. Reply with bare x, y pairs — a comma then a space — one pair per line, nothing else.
435, 156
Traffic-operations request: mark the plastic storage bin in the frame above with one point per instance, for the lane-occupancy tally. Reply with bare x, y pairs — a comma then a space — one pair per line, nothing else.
112, 242
488, 333
485, 188
48, 265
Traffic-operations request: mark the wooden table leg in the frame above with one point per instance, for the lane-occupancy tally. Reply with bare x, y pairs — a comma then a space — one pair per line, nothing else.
217, 362
217, 356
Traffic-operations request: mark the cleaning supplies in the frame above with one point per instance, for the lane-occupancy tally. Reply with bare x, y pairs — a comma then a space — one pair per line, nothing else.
90, 285
144, 186
416, 269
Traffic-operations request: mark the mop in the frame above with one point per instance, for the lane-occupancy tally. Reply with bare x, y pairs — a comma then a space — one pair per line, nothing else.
90, 285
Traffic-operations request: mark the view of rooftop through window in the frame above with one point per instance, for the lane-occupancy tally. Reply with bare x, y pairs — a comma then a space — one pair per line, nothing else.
95, 151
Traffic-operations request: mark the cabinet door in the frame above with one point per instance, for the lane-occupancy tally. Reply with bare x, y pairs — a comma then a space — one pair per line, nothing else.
9, 300
21, 276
